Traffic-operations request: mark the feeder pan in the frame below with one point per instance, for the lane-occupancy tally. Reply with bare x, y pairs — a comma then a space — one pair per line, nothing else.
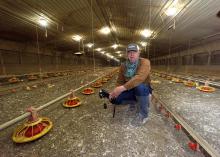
88, 91
189, 83
104, 80
169, 78
44, 76
33, 129
72, 102
108, 77
13, 80
176, 80
13, 90
60, 74
206, 89
97, 85
32, 77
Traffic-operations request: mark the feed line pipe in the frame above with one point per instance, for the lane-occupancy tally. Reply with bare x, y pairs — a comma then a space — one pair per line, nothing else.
25, 115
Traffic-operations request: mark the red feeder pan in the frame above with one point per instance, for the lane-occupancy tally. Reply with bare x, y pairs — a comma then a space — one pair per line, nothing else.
193, 146
97, 85
32, 77
206, 89
160, 108
33, 129
13, 80
178, 127
168, 114
13, 90
72, 102
88, 91
105, 80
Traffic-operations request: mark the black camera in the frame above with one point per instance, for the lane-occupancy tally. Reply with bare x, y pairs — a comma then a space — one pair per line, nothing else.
103, 94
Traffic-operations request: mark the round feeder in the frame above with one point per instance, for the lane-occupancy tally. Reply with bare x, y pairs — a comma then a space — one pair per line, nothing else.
97, 84
189, 83
104, 80
177, 80
13, 80
45, 76
72, 102
32, 77
206, 88
33, 129
88, 91
168, 77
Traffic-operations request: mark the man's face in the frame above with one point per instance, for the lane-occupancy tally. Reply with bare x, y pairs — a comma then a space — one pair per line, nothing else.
133, 56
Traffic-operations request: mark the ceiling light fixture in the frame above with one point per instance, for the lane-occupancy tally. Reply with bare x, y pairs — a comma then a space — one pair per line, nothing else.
146, 33
98, 49
78, 53
143, 44
171, 11
89, 45
43, 22
115, 46
76, 37
105, 30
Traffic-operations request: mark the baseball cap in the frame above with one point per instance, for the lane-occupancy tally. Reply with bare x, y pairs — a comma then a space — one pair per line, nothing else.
132, 47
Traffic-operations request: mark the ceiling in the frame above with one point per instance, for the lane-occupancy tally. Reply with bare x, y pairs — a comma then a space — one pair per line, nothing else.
194, 20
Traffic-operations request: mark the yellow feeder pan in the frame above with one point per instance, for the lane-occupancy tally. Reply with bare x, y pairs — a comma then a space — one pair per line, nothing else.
13, 80
189, 83
97, 84
88, 91
176, 80
206, 88
32, 77
72, 102
32, 129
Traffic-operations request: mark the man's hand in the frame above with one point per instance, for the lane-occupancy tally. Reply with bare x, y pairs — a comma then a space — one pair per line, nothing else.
116, 92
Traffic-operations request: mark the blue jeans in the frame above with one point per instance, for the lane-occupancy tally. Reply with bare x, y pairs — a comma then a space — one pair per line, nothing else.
139, 94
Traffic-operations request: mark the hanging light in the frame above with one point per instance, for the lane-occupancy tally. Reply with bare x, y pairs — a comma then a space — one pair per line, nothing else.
118, 52
98, 49
120, 55
89, 45
115, 46
43, 22
171, 11
78, 53
102, 52
146, 33
143, 44
76, 37
105, 30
